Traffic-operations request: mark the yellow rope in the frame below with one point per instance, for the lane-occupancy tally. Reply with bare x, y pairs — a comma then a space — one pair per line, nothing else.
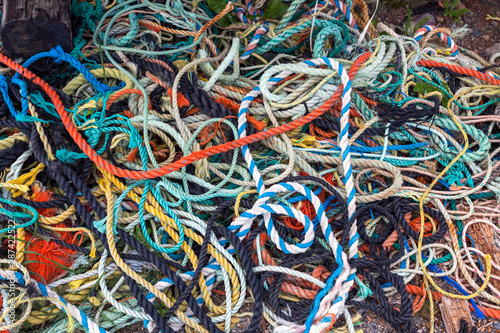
105, 185
427, 278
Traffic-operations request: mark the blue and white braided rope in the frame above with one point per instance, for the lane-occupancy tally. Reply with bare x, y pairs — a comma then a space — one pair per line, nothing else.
335, 293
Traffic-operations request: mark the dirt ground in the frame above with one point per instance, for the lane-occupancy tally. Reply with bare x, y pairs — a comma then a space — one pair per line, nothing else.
484, 30
483, 34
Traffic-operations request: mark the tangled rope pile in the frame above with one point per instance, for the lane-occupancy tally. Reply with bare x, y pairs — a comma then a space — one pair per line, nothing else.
194, 166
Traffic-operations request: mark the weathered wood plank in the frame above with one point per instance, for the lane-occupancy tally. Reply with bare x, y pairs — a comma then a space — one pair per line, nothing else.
453, 310
484, 240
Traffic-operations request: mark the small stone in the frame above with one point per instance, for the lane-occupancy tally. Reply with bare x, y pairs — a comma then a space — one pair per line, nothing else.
418, 320
460, 6
486, 37
497, 325
493, 49
439, 19
430, 20
476, 50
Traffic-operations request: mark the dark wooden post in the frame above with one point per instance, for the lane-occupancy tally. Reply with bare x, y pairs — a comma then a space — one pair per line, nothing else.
33, 26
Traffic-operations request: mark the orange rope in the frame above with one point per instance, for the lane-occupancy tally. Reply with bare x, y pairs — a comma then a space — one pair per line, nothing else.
186, 160
181, 100
420, 291
233, 106
460, 70
117, 95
